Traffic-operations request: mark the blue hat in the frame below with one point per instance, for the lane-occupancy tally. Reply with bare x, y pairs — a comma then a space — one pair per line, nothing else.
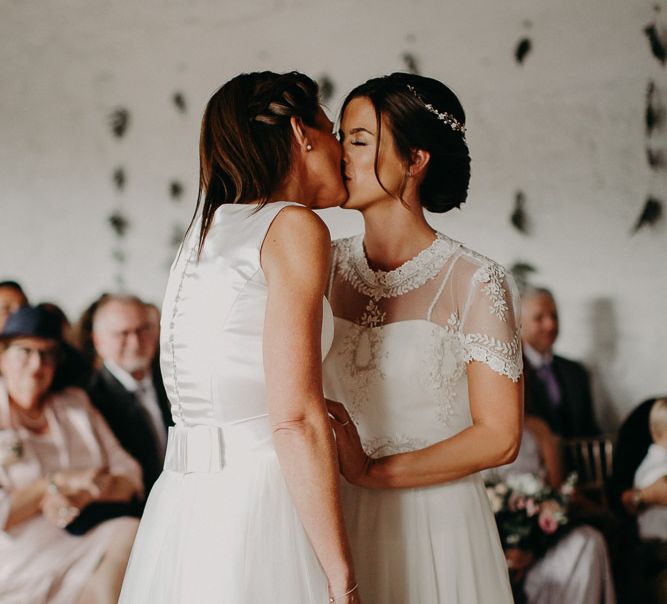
32, 322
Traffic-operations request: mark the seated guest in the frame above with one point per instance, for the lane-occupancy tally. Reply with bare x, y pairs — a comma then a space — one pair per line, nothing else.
60, 465
557, 389
128, 389
12, 298
576, 569
652, 519
644, 563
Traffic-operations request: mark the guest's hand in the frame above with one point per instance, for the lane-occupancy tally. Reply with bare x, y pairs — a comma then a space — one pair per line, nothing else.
354, 463
58, 509
81, 487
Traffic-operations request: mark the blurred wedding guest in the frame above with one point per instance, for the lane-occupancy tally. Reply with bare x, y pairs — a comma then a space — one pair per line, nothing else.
12, 297
652, 519
128, 388
557, 389
574, 570
65, 481
645, 561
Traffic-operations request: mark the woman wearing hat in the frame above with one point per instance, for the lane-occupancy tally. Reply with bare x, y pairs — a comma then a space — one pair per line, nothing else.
62, 475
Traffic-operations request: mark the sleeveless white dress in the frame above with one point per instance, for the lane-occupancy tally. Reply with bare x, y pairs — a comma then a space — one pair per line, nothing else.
398, 362
219, 524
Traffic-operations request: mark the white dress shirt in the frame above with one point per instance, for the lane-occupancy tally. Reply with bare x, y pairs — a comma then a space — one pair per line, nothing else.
536, 359
145, 392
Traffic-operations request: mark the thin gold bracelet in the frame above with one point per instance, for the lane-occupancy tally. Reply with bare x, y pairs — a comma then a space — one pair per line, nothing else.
347, 593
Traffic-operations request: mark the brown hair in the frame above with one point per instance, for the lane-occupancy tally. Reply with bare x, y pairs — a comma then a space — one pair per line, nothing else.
413, 126
245, 147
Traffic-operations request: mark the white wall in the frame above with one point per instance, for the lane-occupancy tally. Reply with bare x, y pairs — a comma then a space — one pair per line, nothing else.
566, 127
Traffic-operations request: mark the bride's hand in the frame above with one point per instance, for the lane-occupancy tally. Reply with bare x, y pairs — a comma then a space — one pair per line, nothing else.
354, 463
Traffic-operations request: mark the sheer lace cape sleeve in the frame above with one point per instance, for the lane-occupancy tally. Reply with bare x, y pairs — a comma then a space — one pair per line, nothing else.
487, 313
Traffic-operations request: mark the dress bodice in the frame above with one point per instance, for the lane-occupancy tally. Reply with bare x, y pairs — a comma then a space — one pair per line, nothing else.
403, 340
213, 320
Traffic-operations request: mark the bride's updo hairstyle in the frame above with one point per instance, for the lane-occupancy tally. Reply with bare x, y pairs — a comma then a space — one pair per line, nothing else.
245, 146
423, 113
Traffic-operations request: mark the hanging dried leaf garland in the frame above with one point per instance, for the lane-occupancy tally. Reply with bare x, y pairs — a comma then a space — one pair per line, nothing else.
658, 42
411, 63
523, 48
655, 111
118, 223
179, 101
655, 158
650, 215
119, 120
327, 88
522, 272
519, 217
119, 178
175, 190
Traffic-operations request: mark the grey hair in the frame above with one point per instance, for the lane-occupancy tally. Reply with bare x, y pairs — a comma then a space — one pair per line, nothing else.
118, 298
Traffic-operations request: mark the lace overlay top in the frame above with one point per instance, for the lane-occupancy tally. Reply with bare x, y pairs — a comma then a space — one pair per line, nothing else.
403, 339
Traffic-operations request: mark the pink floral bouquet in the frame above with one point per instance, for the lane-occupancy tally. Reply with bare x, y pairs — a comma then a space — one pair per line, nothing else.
530, 514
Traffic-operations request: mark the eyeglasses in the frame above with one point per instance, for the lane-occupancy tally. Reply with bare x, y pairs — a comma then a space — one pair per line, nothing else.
22, 353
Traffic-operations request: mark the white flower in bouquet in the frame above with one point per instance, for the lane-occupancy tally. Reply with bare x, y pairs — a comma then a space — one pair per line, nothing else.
11, 448
526, 484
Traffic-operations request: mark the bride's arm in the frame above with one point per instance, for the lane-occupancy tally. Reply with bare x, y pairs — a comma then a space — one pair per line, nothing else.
295, 259
496, 406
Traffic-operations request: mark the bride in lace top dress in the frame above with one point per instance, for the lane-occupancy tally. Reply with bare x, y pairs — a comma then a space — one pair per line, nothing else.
426, 359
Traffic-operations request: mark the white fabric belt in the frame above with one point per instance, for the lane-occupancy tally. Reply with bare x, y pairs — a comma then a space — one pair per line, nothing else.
198, 448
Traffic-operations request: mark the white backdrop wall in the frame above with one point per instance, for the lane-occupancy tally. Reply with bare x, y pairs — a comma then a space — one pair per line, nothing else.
566, 127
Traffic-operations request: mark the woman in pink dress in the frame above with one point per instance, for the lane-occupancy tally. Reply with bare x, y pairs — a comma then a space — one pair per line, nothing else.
57, 457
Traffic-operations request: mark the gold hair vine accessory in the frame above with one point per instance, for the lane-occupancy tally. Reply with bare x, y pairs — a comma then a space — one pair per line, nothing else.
444, 117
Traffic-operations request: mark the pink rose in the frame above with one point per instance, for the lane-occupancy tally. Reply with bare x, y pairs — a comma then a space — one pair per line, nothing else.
532, 508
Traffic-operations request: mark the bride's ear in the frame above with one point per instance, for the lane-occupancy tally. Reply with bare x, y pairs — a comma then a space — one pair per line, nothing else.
299, 133
419, 159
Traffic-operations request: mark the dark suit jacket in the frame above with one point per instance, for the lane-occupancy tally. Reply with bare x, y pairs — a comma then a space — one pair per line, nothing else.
574, 417
129, 421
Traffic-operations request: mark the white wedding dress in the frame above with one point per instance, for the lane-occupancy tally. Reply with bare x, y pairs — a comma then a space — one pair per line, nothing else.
402, 341
220, 525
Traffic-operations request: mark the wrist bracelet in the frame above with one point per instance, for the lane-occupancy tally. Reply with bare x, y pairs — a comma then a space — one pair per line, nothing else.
347, 593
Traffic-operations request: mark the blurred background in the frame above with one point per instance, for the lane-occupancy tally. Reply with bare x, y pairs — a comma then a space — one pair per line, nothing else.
100, 104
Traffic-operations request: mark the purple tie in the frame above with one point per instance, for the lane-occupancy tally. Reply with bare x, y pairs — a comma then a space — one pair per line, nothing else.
548, 377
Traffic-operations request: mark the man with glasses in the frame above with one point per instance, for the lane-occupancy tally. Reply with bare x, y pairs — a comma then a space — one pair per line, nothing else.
128, 388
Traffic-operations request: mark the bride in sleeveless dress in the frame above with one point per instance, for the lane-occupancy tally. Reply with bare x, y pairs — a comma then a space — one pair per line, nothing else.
248, 509
426, 361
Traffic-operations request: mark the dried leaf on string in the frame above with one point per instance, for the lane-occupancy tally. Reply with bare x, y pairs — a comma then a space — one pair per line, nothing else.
119, 223
175, 190
522, 272
523, 47
655, 158
658, 42
119, 178
519, 216
411, 63
119, 255
119, 120
176, 236
179, 101
655, 112
650, 215
327, 88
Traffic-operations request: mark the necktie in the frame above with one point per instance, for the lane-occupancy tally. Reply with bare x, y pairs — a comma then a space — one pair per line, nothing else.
548, 378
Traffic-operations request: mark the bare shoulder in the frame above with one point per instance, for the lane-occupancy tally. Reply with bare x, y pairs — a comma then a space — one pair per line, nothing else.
298, 239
